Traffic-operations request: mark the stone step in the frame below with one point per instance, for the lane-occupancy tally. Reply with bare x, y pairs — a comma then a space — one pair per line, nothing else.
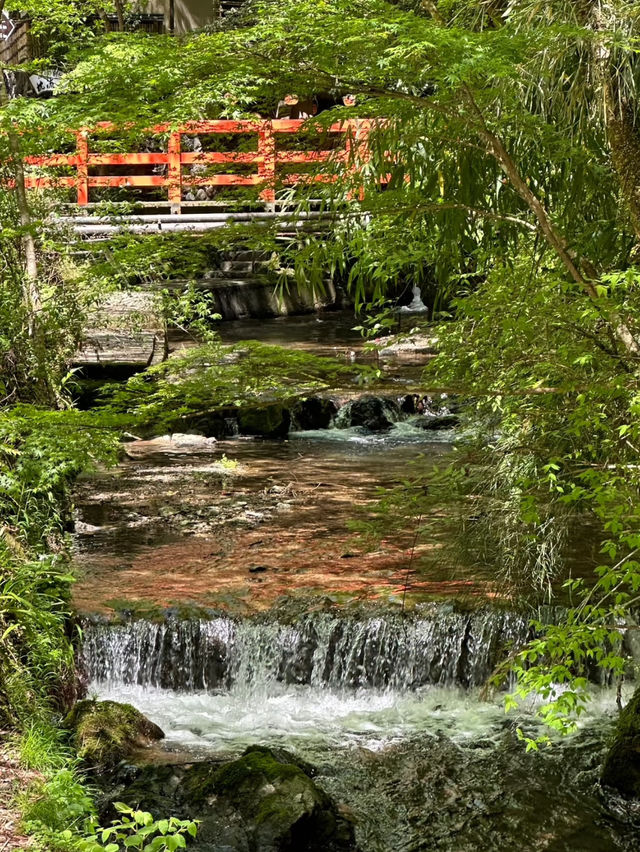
126, 329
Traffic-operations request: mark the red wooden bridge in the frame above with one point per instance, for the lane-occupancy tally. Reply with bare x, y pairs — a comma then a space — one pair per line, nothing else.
267, 166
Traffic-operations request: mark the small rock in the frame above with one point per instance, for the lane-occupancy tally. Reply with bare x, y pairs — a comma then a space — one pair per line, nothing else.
373, 413
176, 443
270, 421
313, 413
435, 423
85, 529
621, 768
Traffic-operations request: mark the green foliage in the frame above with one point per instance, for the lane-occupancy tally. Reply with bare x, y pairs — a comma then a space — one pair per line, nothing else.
59, 801
58, 810
554, 453
228, 464
213, 377
42, 747
36, 658
34, 367
139, 830
41, 451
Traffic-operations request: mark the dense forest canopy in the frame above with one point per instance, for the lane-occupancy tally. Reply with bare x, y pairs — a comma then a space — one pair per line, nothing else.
502, 173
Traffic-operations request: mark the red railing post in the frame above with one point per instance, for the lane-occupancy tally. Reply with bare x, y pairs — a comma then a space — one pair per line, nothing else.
82, 167
174, 151
357, 150
267, 162
363, 129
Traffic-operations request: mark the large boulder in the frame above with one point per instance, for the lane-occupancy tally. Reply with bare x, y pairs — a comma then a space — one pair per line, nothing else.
315, 412
281, 803
265, 801
267, 421
106, 732
374, 413
621, 769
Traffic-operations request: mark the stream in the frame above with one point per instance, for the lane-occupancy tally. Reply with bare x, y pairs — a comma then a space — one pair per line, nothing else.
247, 613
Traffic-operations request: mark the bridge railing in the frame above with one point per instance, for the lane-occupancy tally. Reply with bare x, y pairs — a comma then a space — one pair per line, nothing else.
178, 174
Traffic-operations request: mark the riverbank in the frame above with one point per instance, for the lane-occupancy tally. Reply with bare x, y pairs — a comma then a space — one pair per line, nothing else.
243, 610
15, 781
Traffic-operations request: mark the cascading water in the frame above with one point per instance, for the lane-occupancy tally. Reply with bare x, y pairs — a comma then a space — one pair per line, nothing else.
417, 306
448, 649
226, 683
385, 710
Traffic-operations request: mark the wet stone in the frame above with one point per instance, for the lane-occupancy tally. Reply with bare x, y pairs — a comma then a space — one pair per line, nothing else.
265, 801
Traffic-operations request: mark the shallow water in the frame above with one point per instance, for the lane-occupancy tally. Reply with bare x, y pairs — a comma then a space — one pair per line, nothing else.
166, 529
430, 769
421, 766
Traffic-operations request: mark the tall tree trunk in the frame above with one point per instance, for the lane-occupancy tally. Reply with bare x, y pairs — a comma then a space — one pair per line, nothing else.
31, 293
623, 133
31, 296
582, 273
119, 14
624, 141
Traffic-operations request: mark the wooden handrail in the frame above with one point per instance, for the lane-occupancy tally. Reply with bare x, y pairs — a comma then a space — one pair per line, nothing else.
267, 158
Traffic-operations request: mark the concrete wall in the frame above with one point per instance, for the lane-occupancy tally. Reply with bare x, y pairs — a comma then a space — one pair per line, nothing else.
189, 14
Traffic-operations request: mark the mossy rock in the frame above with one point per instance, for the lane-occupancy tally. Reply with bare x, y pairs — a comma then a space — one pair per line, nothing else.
621, 769
285, 808
106, 732
264, 801
268, 421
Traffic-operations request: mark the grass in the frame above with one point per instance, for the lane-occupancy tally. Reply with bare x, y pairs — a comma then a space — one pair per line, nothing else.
58, 800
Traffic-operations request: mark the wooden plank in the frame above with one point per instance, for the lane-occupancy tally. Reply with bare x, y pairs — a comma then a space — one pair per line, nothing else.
127, 327
174, 149
220, 157
304, 156
291, 180
222, 180
128, 180
141, 159
53, 160
42, 182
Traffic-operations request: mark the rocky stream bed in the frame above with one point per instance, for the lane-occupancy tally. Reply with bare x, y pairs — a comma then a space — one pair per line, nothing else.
314, 695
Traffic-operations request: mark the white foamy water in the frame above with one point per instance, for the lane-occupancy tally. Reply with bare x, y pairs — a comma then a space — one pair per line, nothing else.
403, 432
305, 718
325, 681
298, 716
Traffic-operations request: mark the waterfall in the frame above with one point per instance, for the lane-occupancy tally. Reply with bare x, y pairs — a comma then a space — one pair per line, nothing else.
320, 649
